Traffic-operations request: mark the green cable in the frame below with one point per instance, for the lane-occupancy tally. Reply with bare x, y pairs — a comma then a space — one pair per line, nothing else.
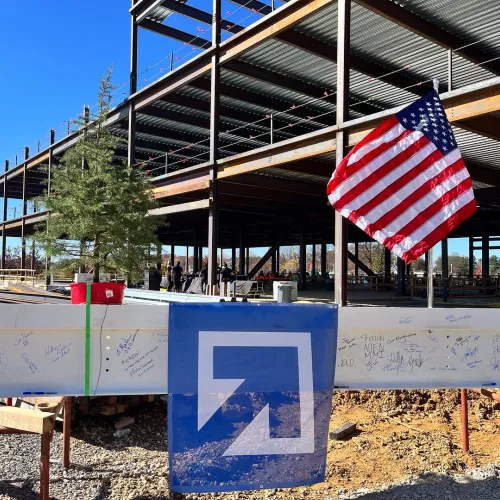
87, 340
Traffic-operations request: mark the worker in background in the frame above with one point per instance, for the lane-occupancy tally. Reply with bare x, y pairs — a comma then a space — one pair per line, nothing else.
225, 278
204, 277
170, 281
177, 272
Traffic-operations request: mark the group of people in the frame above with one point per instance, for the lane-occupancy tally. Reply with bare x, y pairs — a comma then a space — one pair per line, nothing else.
283, 275
174, 276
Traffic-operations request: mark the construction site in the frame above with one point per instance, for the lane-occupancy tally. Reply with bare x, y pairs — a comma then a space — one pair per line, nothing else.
239, 139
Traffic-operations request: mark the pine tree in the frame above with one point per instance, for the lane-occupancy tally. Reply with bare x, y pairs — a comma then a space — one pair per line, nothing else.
98, 207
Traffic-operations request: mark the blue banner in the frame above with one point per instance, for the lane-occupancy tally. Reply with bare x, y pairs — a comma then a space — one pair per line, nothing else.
250, 395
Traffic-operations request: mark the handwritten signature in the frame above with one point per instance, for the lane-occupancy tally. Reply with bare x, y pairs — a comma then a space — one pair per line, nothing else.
23, 339
126, 344
30, 363
453, 319
56, 352
495, 364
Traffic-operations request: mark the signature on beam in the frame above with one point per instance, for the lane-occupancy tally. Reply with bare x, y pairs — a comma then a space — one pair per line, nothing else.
126, 344
56, 352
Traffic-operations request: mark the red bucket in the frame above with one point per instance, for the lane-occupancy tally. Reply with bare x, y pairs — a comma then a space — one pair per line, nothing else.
100, 293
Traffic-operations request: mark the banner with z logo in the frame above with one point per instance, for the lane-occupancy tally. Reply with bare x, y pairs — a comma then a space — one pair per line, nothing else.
250, 395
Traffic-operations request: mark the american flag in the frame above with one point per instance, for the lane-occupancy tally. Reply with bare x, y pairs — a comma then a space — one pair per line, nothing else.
405, 184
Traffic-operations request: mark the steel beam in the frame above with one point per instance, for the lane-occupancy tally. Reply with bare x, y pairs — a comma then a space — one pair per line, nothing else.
354, 258
182, 207
343, 51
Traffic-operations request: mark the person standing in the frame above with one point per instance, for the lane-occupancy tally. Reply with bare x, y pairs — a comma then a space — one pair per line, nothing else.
204, 277
225, 277
170, 282
177, 272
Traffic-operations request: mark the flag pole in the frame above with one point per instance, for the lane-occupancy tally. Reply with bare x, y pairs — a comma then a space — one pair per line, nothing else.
430, 253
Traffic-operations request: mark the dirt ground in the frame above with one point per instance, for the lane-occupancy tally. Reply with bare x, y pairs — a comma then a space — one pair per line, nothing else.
402, 433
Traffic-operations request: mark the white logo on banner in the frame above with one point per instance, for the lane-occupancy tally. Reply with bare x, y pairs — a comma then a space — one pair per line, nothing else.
213, 393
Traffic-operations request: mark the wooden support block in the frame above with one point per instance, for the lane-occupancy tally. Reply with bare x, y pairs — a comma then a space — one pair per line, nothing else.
120, 407
110, 400
26, 420
343, 431
124, 422
108, 410
148, 399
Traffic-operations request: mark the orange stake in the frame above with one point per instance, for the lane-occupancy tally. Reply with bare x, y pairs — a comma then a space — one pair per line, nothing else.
465, 421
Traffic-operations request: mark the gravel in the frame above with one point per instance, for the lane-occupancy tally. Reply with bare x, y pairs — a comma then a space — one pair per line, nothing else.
482, 484
135, 466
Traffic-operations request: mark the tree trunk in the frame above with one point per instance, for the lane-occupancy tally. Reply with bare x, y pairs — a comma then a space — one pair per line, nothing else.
97, 265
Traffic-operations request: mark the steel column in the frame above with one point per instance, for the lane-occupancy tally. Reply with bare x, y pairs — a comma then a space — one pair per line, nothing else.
52, 140
323, 257
343, 52
387, 263
172, 254
444, 258
278, 260
485, 259
187, 259
133, 90
430, 277
214, 146
233, 258
401, 284
465, 420
196, 252
158, 257
450, 70
273, 256
313, 264
242, 252
25, 207
302, 258
356, 254
247, 260
471, 257
5, 208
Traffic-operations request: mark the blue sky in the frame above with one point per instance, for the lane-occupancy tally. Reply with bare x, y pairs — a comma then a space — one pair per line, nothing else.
54, 52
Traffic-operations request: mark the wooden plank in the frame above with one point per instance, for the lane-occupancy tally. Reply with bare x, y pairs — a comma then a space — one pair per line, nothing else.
343, 431
26, 420
108, 410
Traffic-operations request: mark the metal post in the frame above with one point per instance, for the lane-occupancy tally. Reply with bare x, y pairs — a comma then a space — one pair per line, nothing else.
187, 259
343, 52
450, 70
171, 67
401, 283
278, 260
356, 254
52, 140
430, 278
242, 252
67, 430
25, 207
233, 259
313, 267
5, 208
158, 256
271, 129
485, 259
273, 256
166, 163
302, 258
196, 252
44, 466
323, 257
465, 421
133, 89
214, 147
247, 260
471, 256
172, 254
387, 262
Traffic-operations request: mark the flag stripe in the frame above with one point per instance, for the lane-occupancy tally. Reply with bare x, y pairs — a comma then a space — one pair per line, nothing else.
398, 177
391, 138
380, 166
440, 232
414, 230
413, 191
